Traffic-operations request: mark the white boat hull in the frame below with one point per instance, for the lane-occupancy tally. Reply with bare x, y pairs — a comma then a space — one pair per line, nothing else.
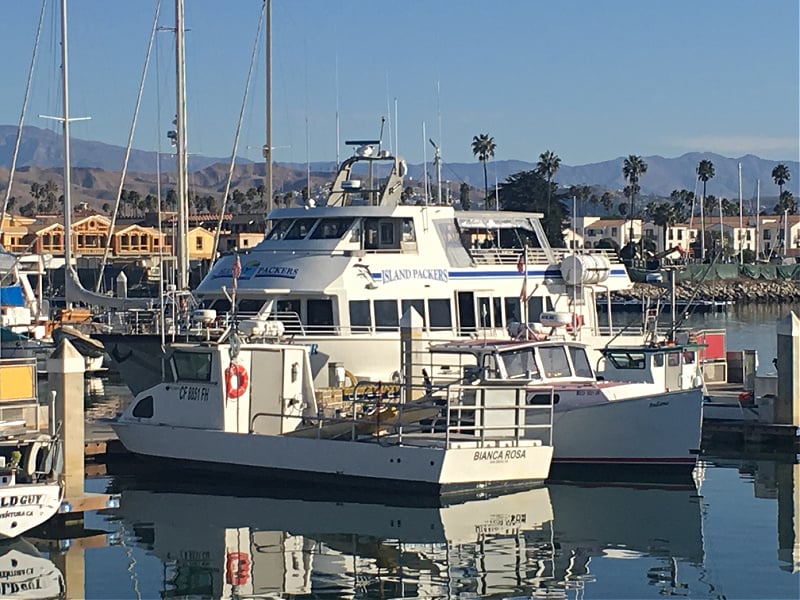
315, 459
24, 506
662, 430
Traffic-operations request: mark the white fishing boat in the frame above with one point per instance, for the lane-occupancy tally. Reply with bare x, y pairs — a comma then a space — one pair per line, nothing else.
30, 456
250, 405
642, 408
339, 277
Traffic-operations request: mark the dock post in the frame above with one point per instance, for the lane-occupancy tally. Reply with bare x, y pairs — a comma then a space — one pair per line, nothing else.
788, 483
411, 354
787, 405
65, 368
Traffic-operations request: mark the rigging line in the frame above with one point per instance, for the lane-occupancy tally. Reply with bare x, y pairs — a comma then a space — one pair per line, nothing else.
131, 133
22, 117
238, 132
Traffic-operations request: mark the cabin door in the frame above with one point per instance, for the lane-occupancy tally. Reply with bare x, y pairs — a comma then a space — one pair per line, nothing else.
266, 372
466, 313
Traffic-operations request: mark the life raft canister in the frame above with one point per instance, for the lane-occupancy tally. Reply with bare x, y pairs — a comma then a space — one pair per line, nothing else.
237, 568
240, 387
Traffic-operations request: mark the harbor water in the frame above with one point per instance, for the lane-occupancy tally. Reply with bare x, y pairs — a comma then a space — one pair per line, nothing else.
730, 531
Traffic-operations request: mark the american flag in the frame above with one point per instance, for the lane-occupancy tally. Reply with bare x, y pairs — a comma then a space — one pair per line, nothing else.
237, 271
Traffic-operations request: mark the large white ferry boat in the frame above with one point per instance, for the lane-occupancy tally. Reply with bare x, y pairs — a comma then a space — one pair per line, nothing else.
340, 277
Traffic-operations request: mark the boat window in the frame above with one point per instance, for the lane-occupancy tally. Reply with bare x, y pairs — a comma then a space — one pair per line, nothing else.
386, 315
490, 369
626, 360
408, 231
674, 359
520, 364
658, 360
512, 310
143, 408
554, 361
419, 306
359, 314
580, 361
535, 307
299, 229
320, 315
387, 234
288, 312
194, 366
485, 312
542, 399
249, 305
221, 305
440, 315
497, 304
331, 229
279, 230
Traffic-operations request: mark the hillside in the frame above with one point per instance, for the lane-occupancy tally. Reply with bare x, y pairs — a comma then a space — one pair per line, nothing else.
97, 165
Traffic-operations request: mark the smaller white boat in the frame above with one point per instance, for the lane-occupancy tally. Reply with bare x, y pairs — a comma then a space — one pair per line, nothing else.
642, 408
250, 406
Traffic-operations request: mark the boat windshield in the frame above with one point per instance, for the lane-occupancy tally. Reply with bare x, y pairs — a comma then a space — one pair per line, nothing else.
332, 229
554, 361
520, 364
580, 361
194, 366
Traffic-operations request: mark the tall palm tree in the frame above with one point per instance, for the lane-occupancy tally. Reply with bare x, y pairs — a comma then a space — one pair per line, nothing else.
483, 147
633, 168
780, 174
705, 171
547, 167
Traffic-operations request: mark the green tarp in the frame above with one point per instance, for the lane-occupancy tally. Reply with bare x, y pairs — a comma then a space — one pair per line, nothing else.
699, 272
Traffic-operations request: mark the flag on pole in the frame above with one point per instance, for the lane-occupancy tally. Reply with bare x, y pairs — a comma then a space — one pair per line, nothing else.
521, 266
237, 271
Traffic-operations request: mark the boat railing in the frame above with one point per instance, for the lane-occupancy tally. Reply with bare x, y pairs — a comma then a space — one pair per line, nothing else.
499, 411
508, 256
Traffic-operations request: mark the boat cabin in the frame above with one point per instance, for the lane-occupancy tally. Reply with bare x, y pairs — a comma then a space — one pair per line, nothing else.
538, 362
676, 367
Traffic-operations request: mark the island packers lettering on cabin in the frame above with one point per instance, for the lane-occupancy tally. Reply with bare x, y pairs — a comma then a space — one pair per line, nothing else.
389, 275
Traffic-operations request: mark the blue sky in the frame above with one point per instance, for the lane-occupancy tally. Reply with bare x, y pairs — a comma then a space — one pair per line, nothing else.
590, 80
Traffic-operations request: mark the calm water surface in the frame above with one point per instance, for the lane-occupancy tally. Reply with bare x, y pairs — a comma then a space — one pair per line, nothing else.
733, 531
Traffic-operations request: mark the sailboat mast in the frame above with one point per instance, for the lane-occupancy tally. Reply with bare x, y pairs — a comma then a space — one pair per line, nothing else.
67, 182
180, 122
268, 145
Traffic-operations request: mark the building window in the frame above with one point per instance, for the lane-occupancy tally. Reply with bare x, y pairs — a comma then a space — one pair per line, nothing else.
613, 232
245, 242
767, 234
198, 243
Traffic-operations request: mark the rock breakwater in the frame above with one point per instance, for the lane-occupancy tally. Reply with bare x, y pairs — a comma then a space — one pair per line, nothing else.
740, 291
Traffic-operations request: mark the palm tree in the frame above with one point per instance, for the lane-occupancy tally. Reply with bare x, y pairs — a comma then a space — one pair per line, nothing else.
780, 174
483, 147
547, 167
633, 167
705, 171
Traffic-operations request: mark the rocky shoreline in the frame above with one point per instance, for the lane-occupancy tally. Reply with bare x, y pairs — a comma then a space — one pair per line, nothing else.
739, 291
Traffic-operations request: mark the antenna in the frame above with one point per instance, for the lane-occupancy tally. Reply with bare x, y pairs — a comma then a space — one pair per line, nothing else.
437, 163
425, 163
380, 137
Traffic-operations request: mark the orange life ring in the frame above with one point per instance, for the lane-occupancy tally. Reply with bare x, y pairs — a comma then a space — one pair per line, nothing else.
240, 373
237, 568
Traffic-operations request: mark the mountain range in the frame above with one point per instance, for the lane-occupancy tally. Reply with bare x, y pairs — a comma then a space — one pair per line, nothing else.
97, 166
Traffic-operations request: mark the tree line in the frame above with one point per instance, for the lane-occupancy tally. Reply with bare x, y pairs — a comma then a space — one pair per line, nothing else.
534, 190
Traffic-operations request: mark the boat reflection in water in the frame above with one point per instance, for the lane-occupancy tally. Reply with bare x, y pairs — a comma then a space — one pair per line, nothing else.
25, 573
534, 542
